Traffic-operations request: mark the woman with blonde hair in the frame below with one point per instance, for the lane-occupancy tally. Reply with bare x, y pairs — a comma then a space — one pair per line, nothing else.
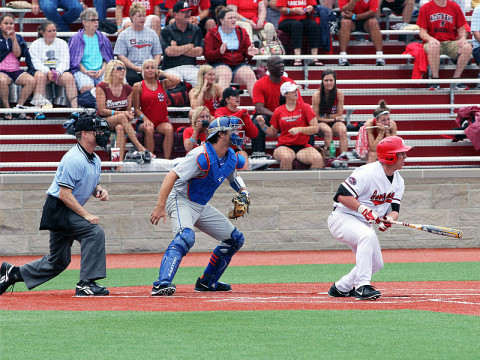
114, 104
207, 92
196, 134
150, 103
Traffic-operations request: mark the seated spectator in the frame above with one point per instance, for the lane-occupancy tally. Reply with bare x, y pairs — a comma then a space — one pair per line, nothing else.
266, 98
196, 134
294, 20
207, 92
379, 128
200, 15
442, 29
228, 49
476, 38
398, 7
12, 48
152, 11
72, 10
90, 52
295, 121
102, 6
182, 43
50, 61
251, 16
114, 104
359, 16
229, 107
273, 14
137, 44
150, 103
327, 103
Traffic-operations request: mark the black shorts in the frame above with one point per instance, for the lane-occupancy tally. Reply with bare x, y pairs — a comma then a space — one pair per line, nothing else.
396, 6
295, 148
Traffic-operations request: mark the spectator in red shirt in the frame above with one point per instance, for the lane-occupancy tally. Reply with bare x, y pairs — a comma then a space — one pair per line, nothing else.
153, 13
294, 20
196, 134
295, 121
442, 29
266, 98
199, 16
228, 49
229, 107
359, 15
251, 16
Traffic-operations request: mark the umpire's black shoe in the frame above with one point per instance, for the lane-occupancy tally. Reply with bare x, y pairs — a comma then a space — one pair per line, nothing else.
163, 290
6, 279
202, 285
90, 288
334, 292
367, 292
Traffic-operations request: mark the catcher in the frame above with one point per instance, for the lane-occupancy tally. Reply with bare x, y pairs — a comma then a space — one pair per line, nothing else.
184, 195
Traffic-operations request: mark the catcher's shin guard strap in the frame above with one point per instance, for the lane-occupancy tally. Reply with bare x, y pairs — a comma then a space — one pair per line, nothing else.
221, 257
177, 249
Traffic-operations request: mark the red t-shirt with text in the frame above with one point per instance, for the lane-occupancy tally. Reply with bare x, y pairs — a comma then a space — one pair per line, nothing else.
293, 4
283, 120
441, 22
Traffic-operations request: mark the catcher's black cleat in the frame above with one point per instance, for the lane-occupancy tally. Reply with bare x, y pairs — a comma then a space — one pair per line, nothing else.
90, 288
202, 285
6, 278
334, 292
367, 292
163, 290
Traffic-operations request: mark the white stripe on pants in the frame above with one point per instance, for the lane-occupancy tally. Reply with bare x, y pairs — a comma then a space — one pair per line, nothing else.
363, 241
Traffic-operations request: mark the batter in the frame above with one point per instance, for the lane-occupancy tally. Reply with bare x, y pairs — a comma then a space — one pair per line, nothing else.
371, 192
189, 187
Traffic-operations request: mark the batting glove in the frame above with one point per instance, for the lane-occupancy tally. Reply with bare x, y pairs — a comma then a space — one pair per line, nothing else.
370, 215
384, 226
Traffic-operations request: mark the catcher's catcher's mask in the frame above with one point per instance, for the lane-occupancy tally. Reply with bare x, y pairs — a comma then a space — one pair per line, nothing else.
226, 123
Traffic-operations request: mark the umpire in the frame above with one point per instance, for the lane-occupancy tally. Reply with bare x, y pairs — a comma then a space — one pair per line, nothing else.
77, 178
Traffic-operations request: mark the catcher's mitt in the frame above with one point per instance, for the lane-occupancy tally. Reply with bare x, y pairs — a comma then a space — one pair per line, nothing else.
241, 202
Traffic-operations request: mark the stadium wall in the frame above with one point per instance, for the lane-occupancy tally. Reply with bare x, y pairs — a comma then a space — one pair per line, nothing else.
288, 211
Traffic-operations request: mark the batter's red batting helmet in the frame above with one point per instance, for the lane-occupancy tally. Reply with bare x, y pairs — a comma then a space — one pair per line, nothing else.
388, 148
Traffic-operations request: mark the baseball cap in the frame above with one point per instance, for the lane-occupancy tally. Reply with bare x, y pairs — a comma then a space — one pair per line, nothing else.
288, 87
181, 6
231, 91
85, 123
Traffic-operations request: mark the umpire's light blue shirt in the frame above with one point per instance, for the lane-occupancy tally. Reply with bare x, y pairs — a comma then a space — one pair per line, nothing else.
77, 171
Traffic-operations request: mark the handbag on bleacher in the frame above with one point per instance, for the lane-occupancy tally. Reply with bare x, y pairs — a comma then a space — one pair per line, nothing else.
270, 47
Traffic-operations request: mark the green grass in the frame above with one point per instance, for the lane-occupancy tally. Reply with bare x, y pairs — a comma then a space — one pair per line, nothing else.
404, 334
462, 271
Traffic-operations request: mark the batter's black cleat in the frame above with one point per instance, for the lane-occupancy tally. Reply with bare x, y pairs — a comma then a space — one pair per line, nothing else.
6, 279
90, 288
202, 285
367, 292
334, 292
163, 290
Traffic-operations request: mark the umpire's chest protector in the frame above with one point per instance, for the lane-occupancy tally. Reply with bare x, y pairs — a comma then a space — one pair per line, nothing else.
202, 188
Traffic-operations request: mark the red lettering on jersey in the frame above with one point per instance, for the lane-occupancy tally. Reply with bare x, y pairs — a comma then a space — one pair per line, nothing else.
379, 199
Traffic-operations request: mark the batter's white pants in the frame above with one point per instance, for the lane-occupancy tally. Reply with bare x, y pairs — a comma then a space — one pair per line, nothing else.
363, 241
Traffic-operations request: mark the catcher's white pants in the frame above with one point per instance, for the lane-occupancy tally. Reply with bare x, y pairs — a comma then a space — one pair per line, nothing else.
363, 241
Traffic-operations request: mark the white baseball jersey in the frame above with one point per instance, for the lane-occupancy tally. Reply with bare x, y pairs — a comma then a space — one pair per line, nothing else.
372, 188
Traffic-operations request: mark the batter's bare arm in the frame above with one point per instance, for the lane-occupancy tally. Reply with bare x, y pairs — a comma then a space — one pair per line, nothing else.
167, 186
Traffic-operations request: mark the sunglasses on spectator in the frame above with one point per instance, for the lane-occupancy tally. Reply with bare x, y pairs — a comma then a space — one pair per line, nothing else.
95, 20
120, 68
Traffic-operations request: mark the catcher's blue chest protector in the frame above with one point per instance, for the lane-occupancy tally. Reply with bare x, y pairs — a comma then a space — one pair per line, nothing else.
201, 189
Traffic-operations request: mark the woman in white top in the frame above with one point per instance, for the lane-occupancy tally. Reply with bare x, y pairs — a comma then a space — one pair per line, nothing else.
51, 60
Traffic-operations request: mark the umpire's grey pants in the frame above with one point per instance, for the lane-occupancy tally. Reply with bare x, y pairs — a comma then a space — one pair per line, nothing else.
92, 245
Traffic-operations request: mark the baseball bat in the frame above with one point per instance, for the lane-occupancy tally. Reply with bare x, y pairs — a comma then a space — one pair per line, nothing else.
437, 230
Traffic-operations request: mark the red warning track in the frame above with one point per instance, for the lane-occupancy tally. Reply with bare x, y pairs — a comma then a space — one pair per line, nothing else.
458, 297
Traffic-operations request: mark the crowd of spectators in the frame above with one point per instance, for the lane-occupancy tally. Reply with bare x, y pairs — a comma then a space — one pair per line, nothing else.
128, 74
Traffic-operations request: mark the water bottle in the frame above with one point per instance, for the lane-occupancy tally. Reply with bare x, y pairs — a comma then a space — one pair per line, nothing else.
332, 150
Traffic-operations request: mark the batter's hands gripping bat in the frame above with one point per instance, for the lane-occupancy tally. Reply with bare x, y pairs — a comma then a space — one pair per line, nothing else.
437, 230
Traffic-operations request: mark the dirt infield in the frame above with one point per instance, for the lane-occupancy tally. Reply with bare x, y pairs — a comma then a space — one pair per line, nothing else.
457, 297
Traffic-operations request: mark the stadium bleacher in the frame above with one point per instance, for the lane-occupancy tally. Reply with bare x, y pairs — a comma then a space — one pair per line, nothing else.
416, 110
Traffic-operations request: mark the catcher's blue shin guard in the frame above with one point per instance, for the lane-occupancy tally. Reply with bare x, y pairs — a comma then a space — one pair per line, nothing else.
221, 257
177, 249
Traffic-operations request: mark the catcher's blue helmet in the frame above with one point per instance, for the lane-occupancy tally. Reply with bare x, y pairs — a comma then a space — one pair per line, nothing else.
228, 123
